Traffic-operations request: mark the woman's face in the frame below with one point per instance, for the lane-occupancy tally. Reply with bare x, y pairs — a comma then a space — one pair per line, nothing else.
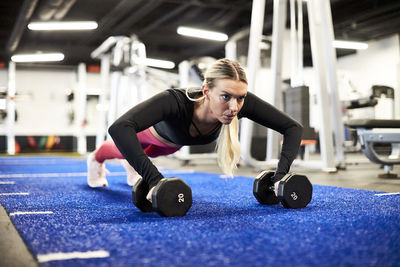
225, 99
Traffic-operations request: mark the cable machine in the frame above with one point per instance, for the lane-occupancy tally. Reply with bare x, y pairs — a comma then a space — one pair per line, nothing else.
124, 57
324, 58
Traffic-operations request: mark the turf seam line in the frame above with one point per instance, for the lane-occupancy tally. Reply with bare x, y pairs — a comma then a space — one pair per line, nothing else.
387, 194
30, 163
76, 174
47, 175
30, 213
72, 255
14, 194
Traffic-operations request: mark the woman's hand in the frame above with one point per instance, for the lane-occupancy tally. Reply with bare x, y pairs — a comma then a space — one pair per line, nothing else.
148, 197
276, 187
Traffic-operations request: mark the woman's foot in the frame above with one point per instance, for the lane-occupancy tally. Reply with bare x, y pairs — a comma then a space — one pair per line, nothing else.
96, 172
132, 176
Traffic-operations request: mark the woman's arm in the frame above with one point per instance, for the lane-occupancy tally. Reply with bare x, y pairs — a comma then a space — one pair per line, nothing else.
267, 115
123, 131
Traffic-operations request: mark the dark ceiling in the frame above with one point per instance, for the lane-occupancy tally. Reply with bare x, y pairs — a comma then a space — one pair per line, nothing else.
155, 23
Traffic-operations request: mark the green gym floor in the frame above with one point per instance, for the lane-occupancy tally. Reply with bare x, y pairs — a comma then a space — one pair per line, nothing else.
359, 174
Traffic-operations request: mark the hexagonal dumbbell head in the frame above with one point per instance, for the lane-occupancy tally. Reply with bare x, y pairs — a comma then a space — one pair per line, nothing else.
295, 191
139, 193
172, 197
262, 188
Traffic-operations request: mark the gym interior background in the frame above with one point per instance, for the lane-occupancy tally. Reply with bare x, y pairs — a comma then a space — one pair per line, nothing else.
54, 113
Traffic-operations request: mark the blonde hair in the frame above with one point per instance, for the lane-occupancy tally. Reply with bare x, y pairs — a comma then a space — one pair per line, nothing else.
228, 146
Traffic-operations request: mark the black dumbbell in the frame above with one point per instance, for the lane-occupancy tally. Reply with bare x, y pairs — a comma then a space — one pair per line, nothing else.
294, 190
139, 193
263, 189
171, 197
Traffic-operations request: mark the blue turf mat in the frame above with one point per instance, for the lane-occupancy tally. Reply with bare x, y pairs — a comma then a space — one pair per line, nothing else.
225, 226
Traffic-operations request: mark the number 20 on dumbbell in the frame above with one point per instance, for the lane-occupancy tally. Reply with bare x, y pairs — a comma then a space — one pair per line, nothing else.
294, 190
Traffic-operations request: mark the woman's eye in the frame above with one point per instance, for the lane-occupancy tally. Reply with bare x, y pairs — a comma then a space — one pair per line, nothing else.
226, 97
241, 98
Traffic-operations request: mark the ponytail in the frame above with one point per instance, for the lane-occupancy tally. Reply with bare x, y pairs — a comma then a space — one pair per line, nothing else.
228, 147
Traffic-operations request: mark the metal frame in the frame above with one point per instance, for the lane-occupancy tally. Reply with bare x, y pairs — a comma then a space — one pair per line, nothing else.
279, 21
101, 121
253, 63
103, 52
11, 108
80, 109
246, 126
324, 63
324, 58
368, 137
113, 51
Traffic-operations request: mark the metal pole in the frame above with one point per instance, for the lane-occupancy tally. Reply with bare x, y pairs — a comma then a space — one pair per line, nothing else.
103, 106
81, 109
143, 90
231, 45
293, 46
320, 70
112, 110
300, 42
183, 83
336, 112
11, 109
253, 62
256, 28
276, 71
230, 50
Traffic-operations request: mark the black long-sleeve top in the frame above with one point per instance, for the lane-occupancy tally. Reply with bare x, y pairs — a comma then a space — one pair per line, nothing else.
171, 112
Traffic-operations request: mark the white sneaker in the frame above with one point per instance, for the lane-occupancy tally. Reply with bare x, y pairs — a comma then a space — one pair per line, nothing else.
132, 176
96, 172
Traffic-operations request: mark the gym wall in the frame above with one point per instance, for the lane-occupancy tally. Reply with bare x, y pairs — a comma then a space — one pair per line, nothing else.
42, 104
377, 65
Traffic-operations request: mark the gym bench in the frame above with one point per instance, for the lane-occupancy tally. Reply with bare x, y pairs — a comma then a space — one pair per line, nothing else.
371, 132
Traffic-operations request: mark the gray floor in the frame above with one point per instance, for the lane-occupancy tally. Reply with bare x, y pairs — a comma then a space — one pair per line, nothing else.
359, 174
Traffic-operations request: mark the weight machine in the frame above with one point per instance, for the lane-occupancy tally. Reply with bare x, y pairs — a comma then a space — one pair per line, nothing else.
124, 57
324, 60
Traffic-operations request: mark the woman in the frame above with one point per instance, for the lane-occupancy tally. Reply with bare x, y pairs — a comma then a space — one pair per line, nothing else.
164, 123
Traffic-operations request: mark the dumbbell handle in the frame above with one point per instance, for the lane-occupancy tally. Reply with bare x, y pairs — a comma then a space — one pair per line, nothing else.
271, 188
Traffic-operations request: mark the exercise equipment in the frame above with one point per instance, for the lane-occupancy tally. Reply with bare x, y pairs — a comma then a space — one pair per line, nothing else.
371, 132
171, 197
324, 66
123, 69
294, 190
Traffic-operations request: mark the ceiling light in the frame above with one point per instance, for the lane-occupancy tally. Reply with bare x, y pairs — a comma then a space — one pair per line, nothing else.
62, 26
158, 63
40, 57
192, 32
350, 45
